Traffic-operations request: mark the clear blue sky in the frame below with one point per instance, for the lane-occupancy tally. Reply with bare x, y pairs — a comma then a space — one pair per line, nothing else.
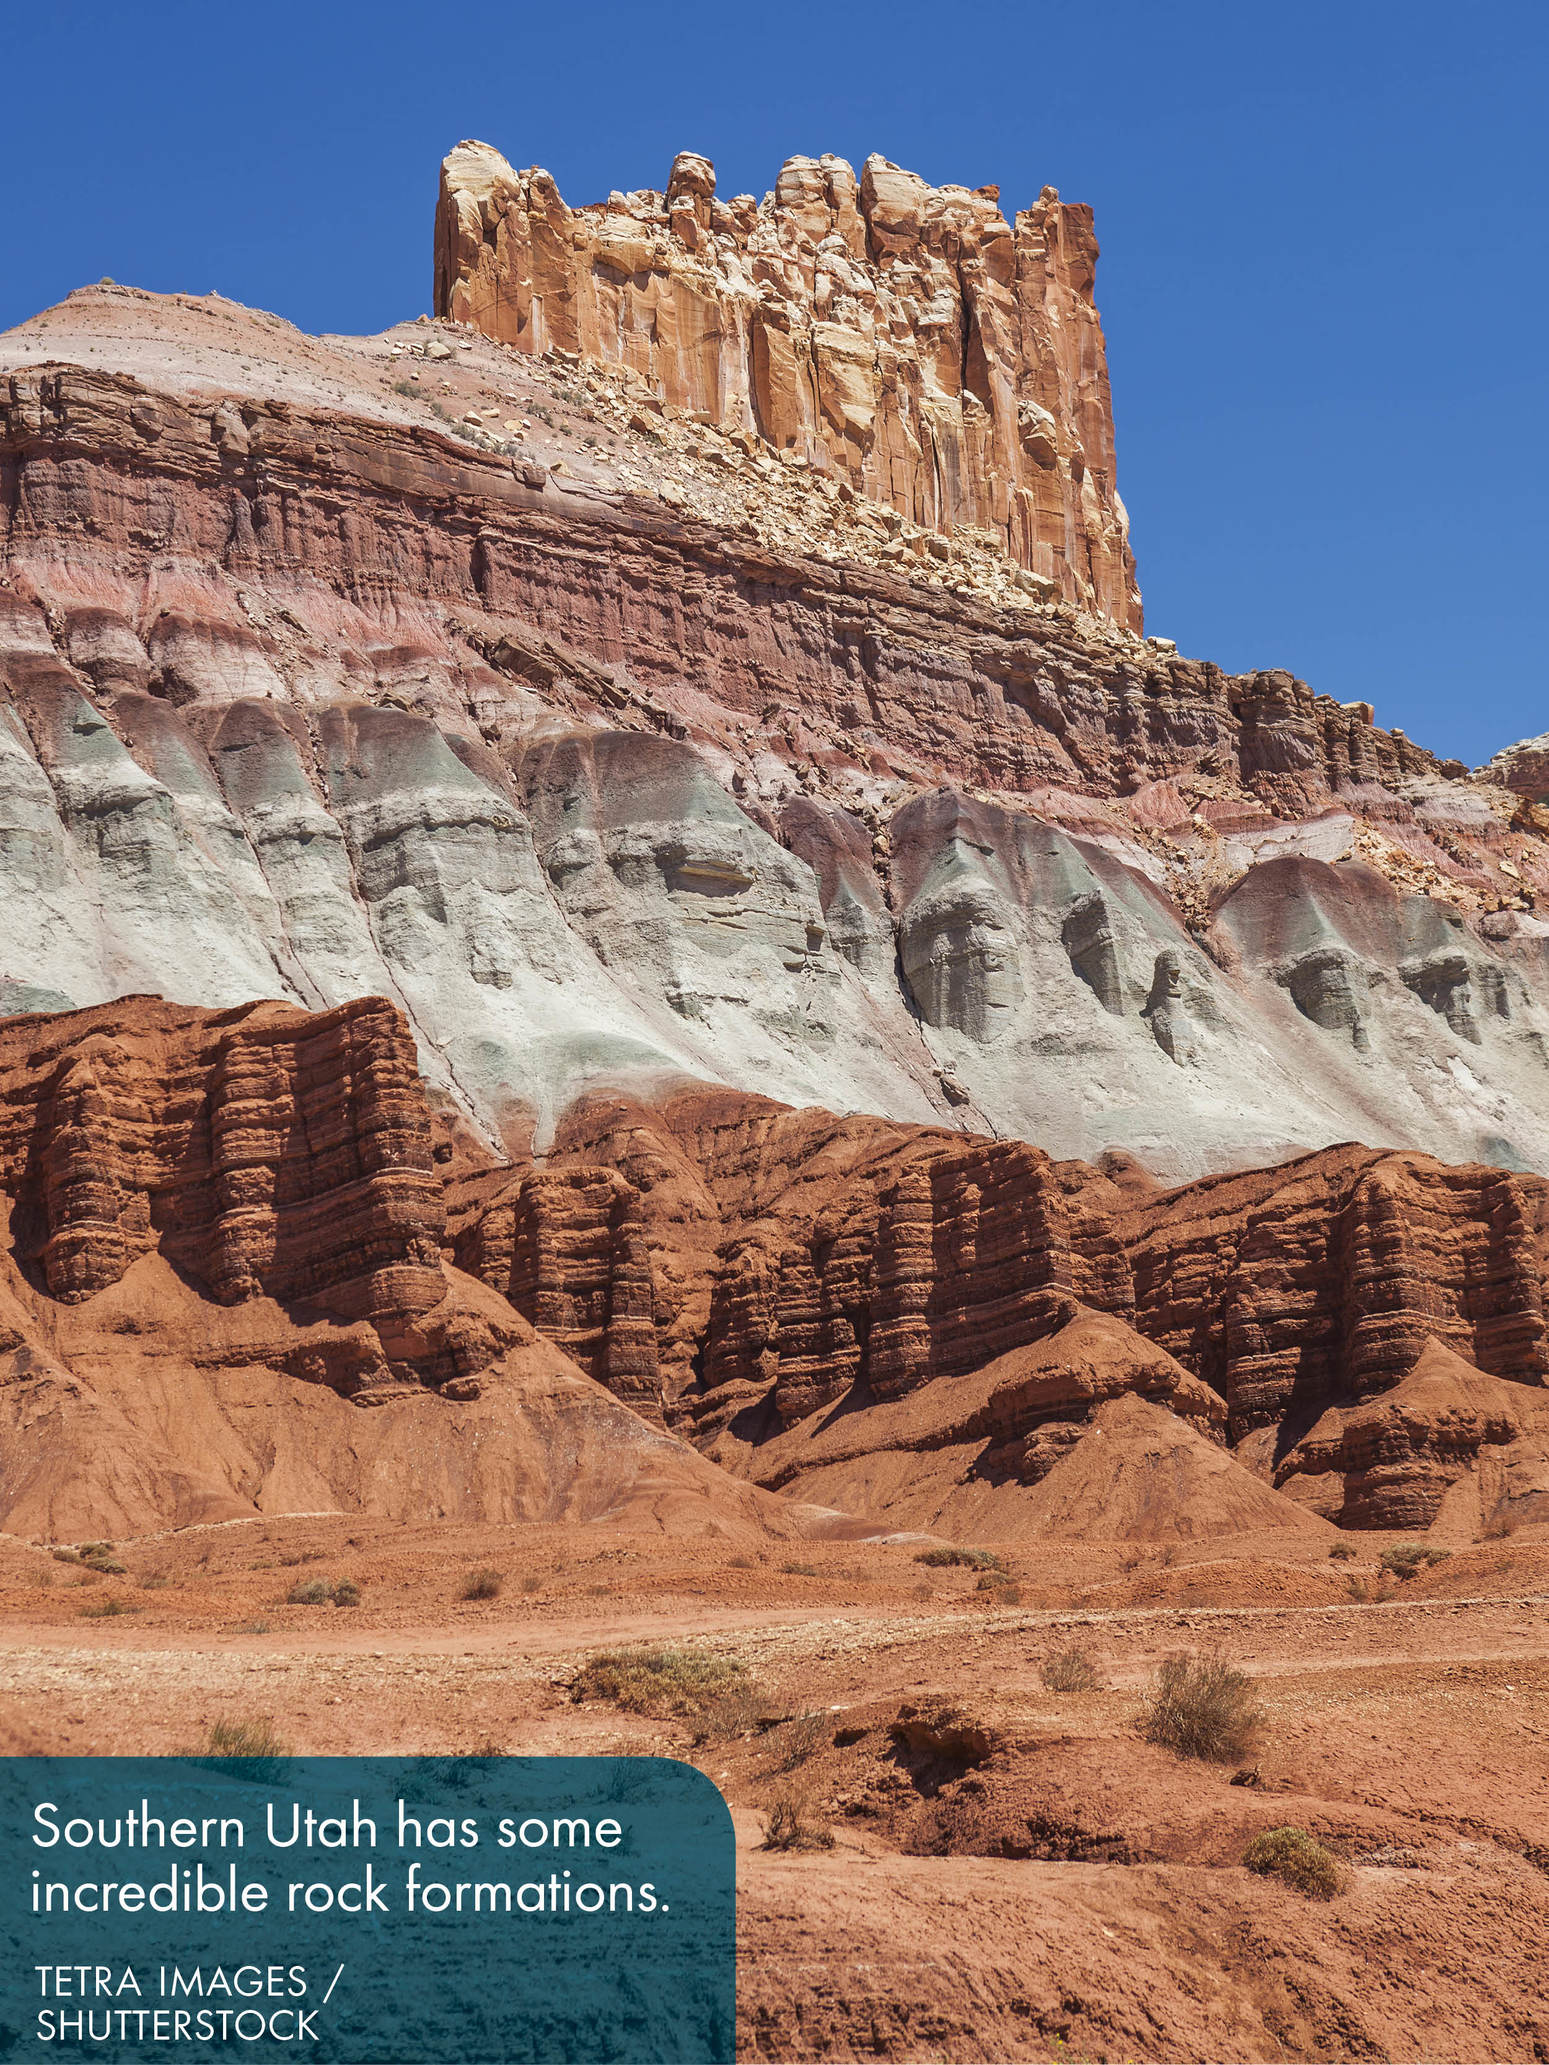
1323, 232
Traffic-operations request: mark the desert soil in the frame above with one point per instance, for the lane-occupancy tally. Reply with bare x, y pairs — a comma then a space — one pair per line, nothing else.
1014, 1873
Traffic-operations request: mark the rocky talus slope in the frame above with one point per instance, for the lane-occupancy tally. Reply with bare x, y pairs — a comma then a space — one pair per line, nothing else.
524, 908
904, 339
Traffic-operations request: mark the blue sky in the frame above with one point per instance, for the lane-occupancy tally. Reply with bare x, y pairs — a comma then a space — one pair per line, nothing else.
1323, 229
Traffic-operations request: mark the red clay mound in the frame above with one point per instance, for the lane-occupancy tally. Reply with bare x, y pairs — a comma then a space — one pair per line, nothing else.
1447, 1437
1059, 1437
1141, 1474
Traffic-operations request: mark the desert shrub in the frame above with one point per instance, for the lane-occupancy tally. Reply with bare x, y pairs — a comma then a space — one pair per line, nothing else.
1342, 1552
740, 1563
658, 1681
946, 1557
1071, 1669
788, 1828
252, 1627
153, 1581
64, 1555
481, 1584
107, 1609
250, 1746
1369, 1591
805, 1736
999, 1588
801, 1570
1200, 1706
1294, 1856
323, 1591
1406, 1558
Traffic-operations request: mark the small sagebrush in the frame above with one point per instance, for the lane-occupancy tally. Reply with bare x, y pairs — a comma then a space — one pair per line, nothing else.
1407, 1558
1071, 1669
323, 1591
482, 1584
1297, 1858
788, 1828
1200, 1706
805, 1736
945, 1558
658, 1681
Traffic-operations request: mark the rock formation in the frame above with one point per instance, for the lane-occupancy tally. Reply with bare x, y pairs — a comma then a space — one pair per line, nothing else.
525, 912
223, 1291
903, 338
860, 1288
282, 721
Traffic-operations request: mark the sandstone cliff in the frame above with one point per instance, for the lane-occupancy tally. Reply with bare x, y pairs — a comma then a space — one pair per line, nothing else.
246, 1266
904, 338
223, 1291
898, 1290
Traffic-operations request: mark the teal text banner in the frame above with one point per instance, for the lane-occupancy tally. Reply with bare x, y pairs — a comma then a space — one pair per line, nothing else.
365, 1911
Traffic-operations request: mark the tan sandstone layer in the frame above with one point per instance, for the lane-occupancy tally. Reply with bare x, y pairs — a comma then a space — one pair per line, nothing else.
905, 339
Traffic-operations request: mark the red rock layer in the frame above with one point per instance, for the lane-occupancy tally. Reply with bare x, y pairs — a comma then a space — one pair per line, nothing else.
265, 1151
98, 469
948, 364
816, 1258
568, 1248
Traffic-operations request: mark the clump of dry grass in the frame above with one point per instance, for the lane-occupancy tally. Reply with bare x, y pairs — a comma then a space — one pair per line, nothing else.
1297, 1858
248, 1745
1200, 1706
1405, 1559
1071, 1669
481, 1584
323, 1591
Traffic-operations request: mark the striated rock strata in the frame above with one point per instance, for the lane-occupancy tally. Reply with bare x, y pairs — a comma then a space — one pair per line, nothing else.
280, 721
811, 1271
906, 339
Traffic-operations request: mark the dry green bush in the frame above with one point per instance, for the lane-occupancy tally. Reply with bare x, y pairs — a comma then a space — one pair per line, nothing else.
1071, 1669
971, 1559
1294, 1856
1200, 1706
803, 1738
481, 1584
1406, 1558
107, 1609
659, 1681
311, 1591
788, 1828
1342, 1552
